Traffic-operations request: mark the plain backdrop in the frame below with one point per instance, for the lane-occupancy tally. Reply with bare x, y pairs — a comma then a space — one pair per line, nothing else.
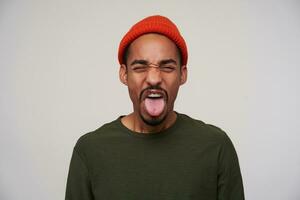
59, 80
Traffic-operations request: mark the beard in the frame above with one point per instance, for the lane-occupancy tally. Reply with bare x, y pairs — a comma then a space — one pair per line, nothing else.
153, 121
148, 119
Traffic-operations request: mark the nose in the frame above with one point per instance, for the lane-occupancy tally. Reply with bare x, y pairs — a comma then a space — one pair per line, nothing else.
154, 76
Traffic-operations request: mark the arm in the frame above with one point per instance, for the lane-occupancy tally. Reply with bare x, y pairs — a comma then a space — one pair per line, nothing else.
230, 185
78, 183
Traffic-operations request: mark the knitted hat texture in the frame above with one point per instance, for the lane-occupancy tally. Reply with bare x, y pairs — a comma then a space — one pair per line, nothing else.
154, 24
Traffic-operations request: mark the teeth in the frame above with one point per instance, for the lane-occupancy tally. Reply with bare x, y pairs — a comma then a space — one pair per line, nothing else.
154, 95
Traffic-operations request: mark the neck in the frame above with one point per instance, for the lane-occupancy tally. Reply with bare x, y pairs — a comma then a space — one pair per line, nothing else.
134, 122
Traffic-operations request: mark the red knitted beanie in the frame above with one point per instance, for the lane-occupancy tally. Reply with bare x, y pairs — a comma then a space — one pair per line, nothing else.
154, 24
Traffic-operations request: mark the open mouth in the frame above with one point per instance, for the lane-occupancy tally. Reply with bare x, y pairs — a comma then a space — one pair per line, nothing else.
154, 102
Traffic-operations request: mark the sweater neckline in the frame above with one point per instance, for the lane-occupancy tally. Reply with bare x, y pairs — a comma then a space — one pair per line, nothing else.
162, 133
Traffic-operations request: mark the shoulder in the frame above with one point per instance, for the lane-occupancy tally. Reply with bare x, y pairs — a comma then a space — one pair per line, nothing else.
208, 134
203, 130
90, 139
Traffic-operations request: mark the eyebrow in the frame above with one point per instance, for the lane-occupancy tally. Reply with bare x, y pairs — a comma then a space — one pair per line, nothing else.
145, 62
141, 62
167, 61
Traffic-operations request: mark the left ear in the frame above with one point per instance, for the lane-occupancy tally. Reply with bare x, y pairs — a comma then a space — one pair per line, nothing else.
183, 74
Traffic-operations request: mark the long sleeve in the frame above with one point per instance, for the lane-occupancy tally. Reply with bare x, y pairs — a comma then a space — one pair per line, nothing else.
230, 185
78, 183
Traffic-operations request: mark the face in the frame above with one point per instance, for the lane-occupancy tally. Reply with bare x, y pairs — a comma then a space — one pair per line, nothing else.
153, 75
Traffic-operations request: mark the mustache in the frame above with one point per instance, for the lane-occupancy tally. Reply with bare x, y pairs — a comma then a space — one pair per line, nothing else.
155, 87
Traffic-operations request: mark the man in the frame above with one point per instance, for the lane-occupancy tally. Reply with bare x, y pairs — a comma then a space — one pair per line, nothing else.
154, 152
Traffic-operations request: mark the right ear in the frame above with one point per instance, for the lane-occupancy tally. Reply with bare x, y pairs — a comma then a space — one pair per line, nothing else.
123, 74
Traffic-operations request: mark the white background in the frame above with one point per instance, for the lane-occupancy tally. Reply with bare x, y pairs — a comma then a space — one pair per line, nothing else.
59, 80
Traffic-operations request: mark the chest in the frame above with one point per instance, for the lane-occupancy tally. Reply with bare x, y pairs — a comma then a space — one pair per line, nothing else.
178, 170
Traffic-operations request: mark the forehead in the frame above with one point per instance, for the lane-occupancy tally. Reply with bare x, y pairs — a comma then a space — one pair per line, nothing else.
152, 46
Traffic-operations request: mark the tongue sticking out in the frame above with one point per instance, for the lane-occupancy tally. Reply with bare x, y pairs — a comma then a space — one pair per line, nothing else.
154, 107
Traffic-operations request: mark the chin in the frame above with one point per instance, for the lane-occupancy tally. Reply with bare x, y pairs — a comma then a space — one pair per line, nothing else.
154, 121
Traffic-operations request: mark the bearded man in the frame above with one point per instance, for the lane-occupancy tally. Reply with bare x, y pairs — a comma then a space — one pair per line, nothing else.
154, 152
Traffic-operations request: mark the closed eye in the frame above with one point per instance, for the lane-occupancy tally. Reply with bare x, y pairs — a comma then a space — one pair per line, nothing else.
140, 68
167, 68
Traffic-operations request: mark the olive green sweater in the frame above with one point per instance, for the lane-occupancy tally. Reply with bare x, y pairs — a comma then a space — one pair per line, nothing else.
189, 160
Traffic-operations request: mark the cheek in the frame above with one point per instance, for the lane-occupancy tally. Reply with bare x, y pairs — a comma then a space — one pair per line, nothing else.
134, 92
173, 90
135, 84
